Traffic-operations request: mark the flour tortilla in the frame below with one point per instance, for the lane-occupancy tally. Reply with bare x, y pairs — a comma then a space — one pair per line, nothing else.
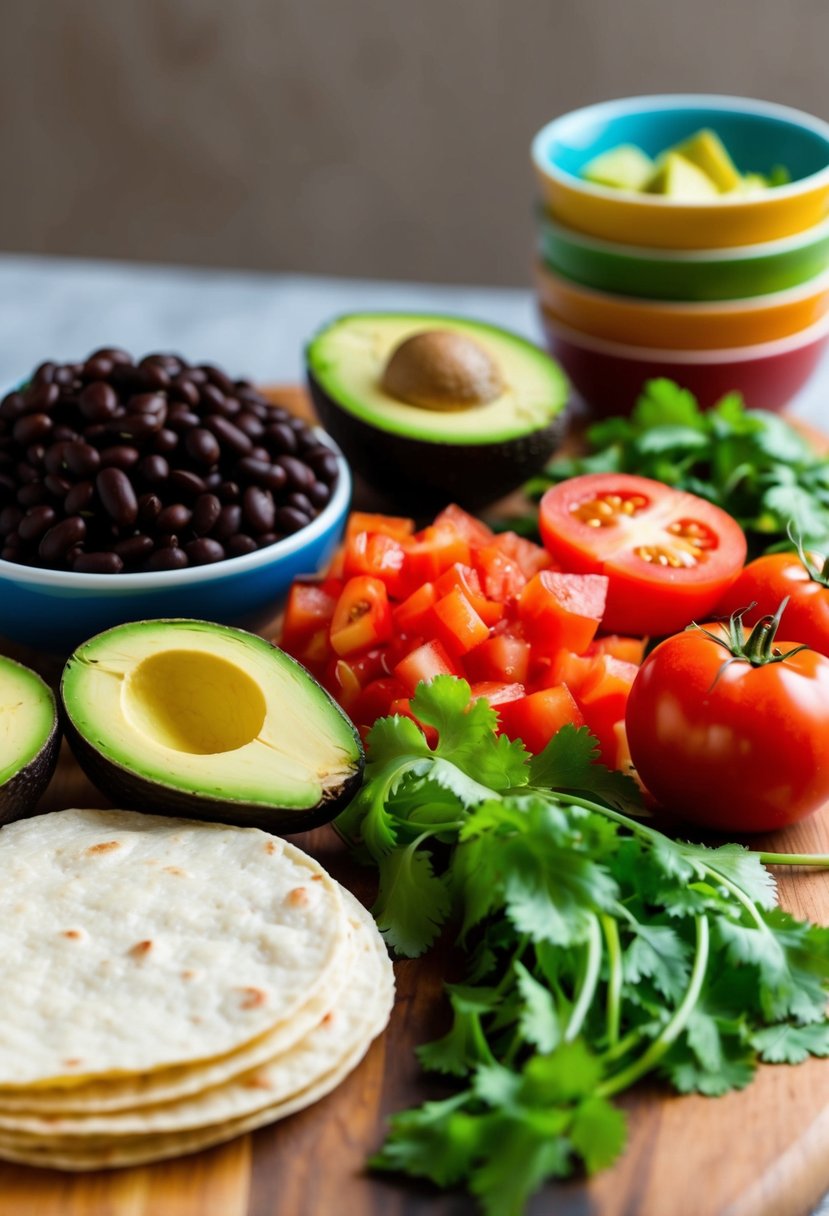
365, 1009
133, 942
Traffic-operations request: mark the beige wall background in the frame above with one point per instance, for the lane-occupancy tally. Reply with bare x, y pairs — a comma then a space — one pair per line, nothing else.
376, 138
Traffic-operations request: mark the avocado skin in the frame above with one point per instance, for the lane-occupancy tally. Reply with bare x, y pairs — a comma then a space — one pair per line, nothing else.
131, 791
425, 475
19, 795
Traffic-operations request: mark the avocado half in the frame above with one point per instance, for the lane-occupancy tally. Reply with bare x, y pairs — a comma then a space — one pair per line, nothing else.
182, 717
473, 453
29, 739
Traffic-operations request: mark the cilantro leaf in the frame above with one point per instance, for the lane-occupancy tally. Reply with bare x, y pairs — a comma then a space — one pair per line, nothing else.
412, 903
787, 1043
598, 1133
539, 1017
570, 761
464, 1045
658, 953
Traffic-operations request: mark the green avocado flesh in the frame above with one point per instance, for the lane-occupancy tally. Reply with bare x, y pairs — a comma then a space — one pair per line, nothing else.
187, 717
347, 360
28, 738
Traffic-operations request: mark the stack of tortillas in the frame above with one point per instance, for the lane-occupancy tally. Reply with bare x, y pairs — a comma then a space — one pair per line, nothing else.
167, 985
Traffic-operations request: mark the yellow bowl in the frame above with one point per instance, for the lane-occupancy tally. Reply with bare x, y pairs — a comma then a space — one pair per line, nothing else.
758, 134
669, 326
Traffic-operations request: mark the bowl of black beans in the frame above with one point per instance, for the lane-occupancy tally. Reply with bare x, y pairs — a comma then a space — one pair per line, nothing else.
133, 489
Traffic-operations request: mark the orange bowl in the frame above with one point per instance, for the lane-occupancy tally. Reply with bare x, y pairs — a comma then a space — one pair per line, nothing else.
717, 325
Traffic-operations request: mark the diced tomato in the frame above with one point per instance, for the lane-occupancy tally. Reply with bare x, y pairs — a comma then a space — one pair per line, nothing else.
457, 624
411, 616
313, 653
497, 693
384, 525
503, 657
362, 618
428, 661
403, 708
466, 577
376, 555
529, 557
603, 698
563, 610
471, 529
629, 650
565, 667
431, 552
375, 700
502, 579
335, 569
343, 684
536, 718
309, 609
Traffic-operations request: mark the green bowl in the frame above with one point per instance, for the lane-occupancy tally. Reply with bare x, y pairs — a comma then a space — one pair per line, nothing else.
683, 274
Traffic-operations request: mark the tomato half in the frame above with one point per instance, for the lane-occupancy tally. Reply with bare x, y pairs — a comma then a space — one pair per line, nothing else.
767, 581
734, 747
669, 555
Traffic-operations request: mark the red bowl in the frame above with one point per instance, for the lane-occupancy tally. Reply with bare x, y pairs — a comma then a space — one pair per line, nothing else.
609, 376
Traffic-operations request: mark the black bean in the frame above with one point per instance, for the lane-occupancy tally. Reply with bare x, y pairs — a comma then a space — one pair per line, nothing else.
60, 539
65, 434
32, 494
153, 469
147, 403
134, 548
228, 434
186, 483
24, 473
8, 486
301, 502
240, 544
153, 374
211, 397
250, 424
54, 461
182, 420
98, 563
35, 522
150, 507
45, 372
281, 439
119, 456
136, 426
58, 486
183, 389
174, 518
204, 551
195, 374
206, 510
97, 367
165, 442
202, 446
290, 520
327, 468
168, 559
213, 480
258, 509
267, 538
98, 401
31, 428
228, 522
300, 477
219, 378
257, 471
12, 406
228, 491
79, 498
64, 376
117, 496
39, 398
10, 517
115, 354
35, 456
319, 493
81, 459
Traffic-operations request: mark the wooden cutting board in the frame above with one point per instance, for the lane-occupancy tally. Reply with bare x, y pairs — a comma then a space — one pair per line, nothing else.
762, 1152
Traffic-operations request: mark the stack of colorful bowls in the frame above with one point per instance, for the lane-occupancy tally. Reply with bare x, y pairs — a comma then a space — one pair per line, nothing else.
722, 293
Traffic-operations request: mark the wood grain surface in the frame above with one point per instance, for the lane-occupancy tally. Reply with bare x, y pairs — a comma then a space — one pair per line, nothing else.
761, 1152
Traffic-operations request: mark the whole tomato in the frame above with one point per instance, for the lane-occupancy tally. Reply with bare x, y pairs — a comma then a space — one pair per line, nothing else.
732, 732
765, 581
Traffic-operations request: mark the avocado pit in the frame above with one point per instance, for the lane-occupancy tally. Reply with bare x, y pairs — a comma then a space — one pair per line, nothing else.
441, 369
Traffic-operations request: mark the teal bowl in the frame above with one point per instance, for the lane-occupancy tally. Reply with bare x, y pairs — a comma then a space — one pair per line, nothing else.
685, 274
54, 610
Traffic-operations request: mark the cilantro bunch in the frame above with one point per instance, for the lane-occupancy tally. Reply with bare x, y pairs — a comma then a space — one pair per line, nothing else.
751, 463
598, 950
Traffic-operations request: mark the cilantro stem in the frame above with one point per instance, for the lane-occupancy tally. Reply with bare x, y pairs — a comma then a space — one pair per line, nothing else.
659, 1046
794, 859
623, 1046
590, 979
638, 829
740, 895
614, 983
